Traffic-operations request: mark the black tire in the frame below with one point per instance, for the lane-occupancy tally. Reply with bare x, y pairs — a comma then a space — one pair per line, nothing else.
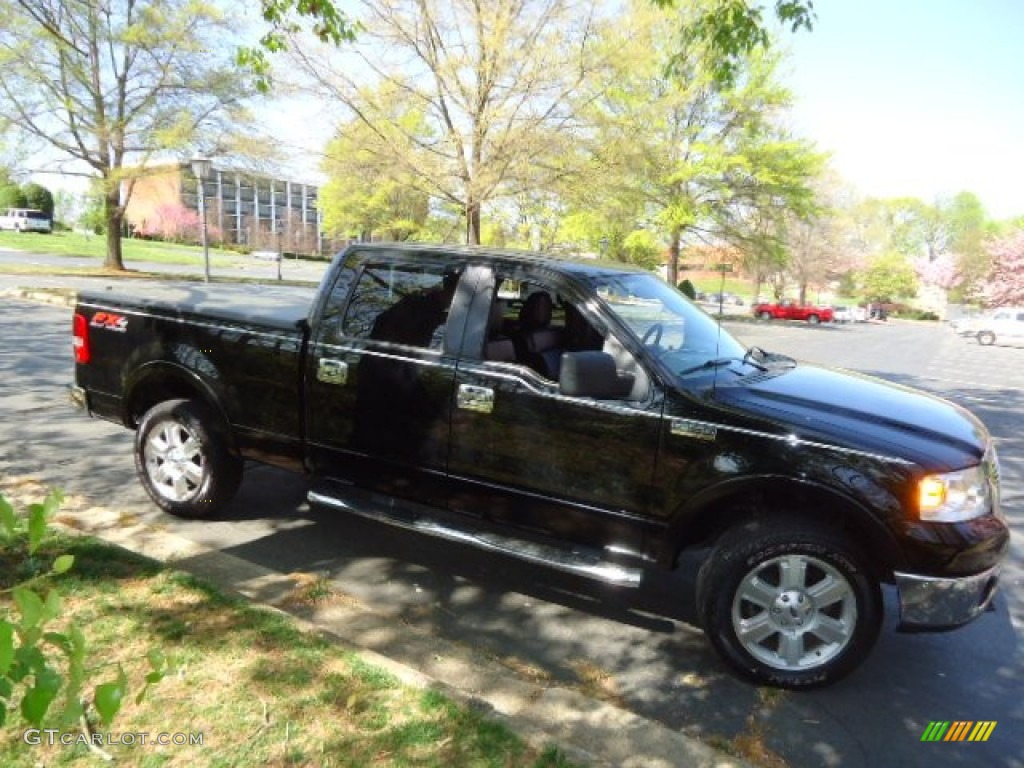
183, 459
766, 315
794, 638
986, 338
813, 319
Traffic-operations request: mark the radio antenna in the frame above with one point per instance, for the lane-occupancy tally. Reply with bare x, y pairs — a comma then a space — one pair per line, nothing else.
722, 269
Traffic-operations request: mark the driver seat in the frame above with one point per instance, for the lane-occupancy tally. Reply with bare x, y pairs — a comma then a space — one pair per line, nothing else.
538, 345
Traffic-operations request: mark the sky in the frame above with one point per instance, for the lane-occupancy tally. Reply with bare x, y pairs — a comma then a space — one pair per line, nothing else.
921, 98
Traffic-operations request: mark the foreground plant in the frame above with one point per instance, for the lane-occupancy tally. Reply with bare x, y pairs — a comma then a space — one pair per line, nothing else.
45, 672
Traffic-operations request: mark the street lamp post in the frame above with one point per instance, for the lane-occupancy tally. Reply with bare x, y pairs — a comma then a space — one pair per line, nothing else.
201, 169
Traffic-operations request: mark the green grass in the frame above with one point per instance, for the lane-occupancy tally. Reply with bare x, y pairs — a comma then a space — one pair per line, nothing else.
259, 690
95, 246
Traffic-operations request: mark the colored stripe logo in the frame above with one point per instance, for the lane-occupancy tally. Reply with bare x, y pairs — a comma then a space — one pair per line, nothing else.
958, 730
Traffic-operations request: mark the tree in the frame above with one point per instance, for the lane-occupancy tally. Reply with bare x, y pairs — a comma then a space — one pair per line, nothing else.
1004, 285
730, 29
888, 277
38, 197
733, 29
12, 196
483, 90
942, 272
108, 82
695, 157
368, 192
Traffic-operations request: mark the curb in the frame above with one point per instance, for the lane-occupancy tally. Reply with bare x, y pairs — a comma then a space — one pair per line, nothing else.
585, 730
60, 297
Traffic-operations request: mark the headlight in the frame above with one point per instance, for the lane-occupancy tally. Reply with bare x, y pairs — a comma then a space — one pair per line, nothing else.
955, 496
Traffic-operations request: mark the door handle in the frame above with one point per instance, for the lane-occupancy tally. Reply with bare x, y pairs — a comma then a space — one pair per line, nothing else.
332, 371
474, 398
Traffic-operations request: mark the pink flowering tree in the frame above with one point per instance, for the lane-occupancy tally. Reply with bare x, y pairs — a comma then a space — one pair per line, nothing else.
1005, 283
176, 223
941, 272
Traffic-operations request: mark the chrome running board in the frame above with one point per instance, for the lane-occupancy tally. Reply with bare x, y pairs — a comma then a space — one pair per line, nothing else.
587, 564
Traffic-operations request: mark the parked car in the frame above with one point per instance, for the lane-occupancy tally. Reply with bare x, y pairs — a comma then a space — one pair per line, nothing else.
579, 416
1005, 325
966, 325
788, 309
25, 220
843, 314
725, 298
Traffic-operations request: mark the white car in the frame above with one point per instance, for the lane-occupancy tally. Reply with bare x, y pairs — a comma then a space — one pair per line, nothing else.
26, 220
844, 314
1005, 325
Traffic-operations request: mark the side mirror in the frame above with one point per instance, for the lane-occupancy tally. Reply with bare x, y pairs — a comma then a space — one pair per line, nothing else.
593, 374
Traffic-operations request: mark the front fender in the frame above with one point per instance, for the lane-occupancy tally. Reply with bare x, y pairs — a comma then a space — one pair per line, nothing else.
721, 506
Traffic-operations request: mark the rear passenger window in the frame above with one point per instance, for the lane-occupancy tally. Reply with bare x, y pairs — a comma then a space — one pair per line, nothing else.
401, 304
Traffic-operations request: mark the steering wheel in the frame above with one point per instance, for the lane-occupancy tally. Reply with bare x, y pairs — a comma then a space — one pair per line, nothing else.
652, 336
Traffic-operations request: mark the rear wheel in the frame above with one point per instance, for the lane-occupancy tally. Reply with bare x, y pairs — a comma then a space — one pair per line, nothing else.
813, 319
766, 315
986, 338
183, 460
788, 604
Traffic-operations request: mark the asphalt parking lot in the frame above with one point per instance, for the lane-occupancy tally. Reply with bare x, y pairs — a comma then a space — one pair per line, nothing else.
640, 650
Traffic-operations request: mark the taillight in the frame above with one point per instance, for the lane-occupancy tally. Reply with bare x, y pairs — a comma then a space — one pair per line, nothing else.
80, 340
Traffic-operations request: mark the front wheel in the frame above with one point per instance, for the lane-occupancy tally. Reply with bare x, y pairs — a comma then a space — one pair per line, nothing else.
183, 459
766, 315
986, 338
789, 604
813, 319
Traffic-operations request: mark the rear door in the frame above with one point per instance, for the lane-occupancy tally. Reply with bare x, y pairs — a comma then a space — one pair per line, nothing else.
524, 455
380, 373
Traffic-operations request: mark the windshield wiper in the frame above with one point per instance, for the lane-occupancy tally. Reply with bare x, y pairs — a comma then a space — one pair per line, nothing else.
718, 362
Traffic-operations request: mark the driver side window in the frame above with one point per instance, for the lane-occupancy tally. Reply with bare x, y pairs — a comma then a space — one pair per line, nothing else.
532, 325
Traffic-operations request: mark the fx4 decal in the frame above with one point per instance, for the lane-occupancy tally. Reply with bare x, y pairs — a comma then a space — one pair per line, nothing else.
109, 321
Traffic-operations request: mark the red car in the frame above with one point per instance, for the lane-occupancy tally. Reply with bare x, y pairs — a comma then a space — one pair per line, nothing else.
791, 310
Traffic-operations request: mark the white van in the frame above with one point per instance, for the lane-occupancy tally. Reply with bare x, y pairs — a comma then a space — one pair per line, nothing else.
1005, 325
26, 220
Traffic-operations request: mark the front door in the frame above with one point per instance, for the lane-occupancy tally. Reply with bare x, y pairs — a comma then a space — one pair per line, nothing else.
380, 375
522, 454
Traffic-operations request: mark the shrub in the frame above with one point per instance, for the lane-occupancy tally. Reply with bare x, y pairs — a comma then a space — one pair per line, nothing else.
44, 672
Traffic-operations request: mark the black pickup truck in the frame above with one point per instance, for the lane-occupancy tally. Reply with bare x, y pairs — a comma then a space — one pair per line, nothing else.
583, 416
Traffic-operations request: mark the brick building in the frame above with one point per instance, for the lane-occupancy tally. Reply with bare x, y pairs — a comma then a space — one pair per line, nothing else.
242, 208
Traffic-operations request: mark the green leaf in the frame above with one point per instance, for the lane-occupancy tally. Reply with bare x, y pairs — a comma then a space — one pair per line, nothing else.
36, 526
63, 563
52, 502
110, 696
60, 640
7, 517
51, 609
38, 698
30, 605
6, 647
3, 714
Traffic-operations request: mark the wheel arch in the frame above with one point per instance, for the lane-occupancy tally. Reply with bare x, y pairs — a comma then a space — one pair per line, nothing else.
705, 517
159, 381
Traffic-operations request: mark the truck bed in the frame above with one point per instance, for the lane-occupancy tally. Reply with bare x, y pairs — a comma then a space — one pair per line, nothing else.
270, 307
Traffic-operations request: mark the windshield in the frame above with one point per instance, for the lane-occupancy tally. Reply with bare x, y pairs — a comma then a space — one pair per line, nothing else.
683, 337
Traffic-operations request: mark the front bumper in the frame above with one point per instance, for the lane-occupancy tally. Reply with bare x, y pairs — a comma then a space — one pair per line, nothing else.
933, 603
